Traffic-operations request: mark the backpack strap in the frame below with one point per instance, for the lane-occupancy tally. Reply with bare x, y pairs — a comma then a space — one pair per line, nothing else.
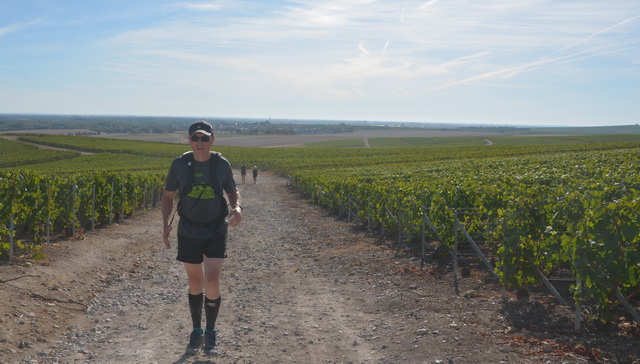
213, 165
191, 172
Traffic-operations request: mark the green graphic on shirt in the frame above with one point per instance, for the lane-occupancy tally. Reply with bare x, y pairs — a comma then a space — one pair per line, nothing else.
202, 192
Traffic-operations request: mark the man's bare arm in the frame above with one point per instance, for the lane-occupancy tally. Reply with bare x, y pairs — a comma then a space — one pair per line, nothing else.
235, 213
167, 207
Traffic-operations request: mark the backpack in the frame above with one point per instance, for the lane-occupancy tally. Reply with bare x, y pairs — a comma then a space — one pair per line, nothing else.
184, 191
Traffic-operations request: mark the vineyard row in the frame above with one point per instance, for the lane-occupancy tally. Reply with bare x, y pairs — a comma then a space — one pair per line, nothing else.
578, 212
33, 206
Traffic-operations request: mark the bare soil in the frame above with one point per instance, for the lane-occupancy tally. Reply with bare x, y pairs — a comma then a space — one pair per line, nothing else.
300, 286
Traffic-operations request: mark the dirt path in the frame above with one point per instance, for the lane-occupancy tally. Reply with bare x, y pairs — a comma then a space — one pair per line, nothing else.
299, 286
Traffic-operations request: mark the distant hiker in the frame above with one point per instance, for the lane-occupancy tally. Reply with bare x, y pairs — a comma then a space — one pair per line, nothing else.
243, 171
201, 177
255, 174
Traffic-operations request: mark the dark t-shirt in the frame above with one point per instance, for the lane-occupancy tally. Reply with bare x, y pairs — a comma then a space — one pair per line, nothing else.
201, 205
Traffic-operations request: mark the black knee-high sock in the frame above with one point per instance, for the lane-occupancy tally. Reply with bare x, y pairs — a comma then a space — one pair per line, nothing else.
195, 306
211, 308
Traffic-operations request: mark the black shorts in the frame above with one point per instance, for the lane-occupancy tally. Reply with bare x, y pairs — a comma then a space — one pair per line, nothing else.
191, 250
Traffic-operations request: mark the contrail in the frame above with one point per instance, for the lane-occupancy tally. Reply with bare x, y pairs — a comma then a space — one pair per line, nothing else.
586, 39
509, 72
427, 4
385, 48
17, 27
553, 58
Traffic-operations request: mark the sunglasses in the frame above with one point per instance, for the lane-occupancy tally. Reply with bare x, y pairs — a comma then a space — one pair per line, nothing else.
204, 138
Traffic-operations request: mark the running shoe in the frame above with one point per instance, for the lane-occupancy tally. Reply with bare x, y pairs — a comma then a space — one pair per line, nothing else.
209, 341
195, 341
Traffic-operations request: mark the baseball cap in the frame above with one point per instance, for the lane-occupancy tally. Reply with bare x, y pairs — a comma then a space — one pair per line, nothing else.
201, 126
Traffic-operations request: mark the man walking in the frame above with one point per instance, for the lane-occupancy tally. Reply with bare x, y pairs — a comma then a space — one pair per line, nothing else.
243, 171
255, 174
201, 176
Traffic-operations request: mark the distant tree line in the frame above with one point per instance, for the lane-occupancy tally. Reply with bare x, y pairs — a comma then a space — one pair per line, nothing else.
105, 124
100, 124
154, 124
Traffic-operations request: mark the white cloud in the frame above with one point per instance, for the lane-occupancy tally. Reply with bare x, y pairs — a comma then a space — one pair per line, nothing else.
207, 6
346, 50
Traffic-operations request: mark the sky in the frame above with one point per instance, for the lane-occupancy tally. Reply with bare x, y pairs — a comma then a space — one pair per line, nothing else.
505, 62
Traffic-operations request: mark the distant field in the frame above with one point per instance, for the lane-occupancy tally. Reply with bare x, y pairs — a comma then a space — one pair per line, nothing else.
592, 130
14, 153
342, 139
49, 131
461, 141
340, 143
390, 138
431, 141
176, 137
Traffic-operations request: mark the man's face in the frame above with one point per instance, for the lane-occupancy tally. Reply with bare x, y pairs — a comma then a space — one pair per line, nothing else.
199, 141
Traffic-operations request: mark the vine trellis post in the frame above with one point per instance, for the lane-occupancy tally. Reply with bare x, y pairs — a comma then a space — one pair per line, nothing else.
551, 288
455, 255
369, 207
351, 202
133, 198
626, 305
400, 230
11, 232
423, 241
111, 204
49, 202
73, 209
578, 311
458, 226
122, 202
144, 196
398, 219
153, 202
427, 220
93, 206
